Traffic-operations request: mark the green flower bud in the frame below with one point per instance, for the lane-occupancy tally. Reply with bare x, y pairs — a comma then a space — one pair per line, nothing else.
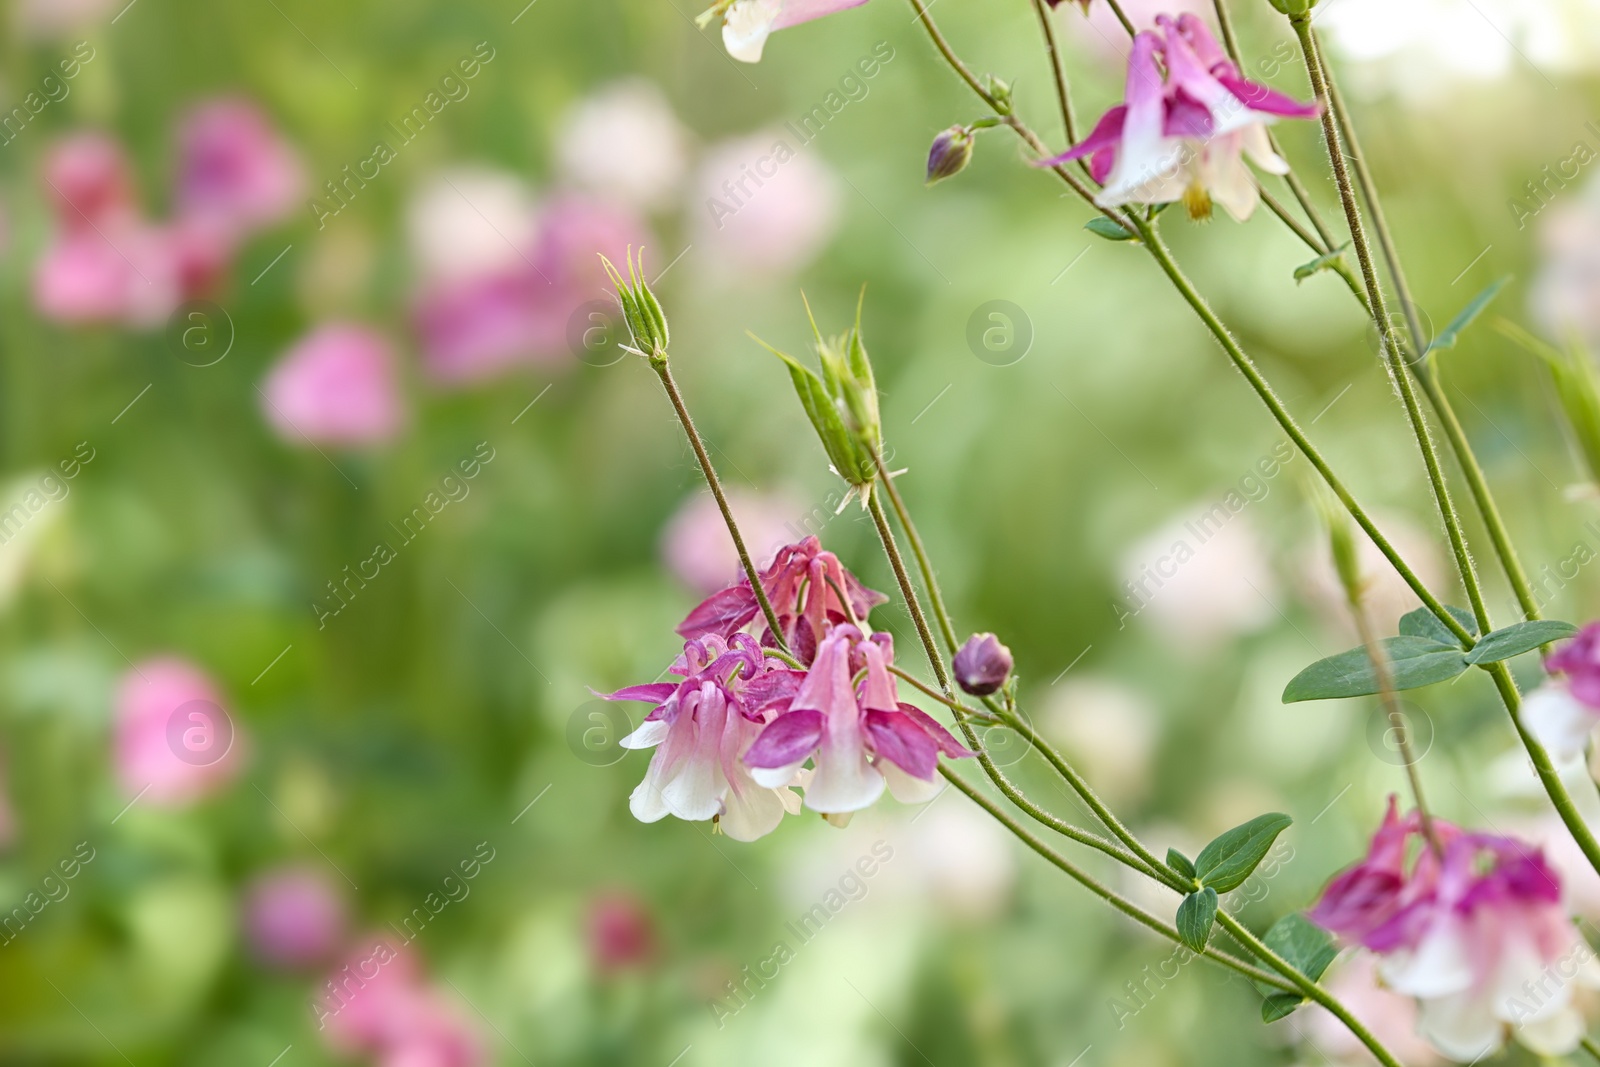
1294, 8
640, 308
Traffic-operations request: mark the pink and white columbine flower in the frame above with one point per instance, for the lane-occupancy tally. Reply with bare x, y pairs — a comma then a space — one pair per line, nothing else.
858, 737
746, 24
800, 583
1475, 930
700, 728
1184, 136
1564, 712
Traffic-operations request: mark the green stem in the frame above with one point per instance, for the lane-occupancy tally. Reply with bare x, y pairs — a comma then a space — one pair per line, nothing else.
1303, 984
1393, 358
1545, 768
671, 386
1258, 382
1426, 372
1053, 54
1588, 1045
1104, 892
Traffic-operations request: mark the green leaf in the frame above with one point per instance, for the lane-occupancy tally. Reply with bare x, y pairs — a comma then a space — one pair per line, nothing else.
1101, 226
1305, 945
1277, 1005
1424, 623
1227, 861
1518, 638
1328, 261
1180, 863
1452, 333
1413, 662
1195, 916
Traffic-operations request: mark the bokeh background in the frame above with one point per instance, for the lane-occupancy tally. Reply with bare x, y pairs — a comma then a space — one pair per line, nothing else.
313, 424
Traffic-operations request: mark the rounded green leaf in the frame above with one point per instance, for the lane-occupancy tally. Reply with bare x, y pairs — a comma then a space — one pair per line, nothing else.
1227, 861
1195, 916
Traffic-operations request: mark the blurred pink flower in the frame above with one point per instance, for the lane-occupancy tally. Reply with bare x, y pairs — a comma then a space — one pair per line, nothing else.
697, 548
624, 142
762, 205
235, 171
89, 181
377, 1005
174, 741
1391, 1016
621, 932
49, 18
1565, 295
470, 222
293, 917
335, 386
475, 327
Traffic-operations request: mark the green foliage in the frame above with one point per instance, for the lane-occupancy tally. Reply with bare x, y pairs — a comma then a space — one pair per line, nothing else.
1514, 640
1229, 859
1413, 663
1304, 945
1195, 916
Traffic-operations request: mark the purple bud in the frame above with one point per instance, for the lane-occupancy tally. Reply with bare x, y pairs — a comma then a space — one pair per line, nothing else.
950, 153
982, 665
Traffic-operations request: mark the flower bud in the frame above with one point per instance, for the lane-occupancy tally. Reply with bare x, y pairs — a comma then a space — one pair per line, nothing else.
1294, 8
640, 308
982, 665
950, 154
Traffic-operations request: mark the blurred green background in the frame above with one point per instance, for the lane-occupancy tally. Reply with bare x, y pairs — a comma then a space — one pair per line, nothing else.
377, 750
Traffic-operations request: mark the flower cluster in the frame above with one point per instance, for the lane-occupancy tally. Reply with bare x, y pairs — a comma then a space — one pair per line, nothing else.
1184, 136
733, 737
1473, 927
108, 263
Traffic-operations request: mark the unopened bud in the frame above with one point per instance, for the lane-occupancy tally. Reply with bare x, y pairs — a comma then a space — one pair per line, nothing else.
1294, 8
950, 153
640, 308
982, 665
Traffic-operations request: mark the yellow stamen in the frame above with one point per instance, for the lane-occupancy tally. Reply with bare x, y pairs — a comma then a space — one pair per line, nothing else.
1197, 201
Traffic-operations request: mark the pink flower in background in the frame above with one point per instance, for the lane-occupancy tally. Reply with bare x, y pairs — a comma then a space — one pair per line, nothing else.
697, 548
89, 182
293, 917
761, 207
1185, 137
1563, 712
174, 741
747, 24
378, 1004
235, 171
335, 386
625, 143
1579, 661
470, 221
1391, 1016
621, 933
478, 324
1476, 931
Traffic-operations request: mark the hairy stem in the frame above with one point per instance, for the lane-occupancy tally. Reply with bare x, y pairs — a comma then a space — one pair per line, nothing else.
664, 372
1063, 98
1424, 369
1104, 892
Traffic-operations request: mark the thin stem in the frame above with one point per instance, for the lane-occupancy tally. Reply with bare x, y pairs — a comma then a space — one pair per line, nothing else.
1116, 9
1303, 984
913, 605
1290, 426
1053, 54
924, 563
1104, 892
1393, 358
664, 372
1545, 768
1425, 370
1588, 1045
929, 691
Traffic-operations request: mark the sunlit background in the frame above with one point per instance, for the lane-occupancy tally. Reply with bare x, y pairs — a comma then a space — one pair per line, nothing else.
313, 423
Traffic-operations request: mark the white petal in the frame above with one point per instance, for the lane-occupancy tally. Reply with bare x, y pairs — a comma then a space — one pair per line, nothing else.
1440, 965
645, 801
1554, 1035
1560, 721
1228, 180
775, 777
844, 781
906, 788
751, 812
746, 26
1461, 1026
648, 735
1259, 149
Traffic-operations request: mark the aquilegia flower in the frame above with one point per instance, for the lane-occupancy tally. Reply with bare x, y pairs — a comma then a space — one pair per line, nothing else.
746, 24
1564, 712
1474, 928
732, 739
1184, 136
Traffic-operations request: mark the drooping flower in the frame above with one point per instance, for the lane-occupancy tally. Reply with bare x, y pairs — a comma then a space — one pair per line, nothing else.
1184, 136
800, 584
982, 665
293, 917
746, 24
859, 738
335, 386
702, 726
174, 741
1474, 927
235, 171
